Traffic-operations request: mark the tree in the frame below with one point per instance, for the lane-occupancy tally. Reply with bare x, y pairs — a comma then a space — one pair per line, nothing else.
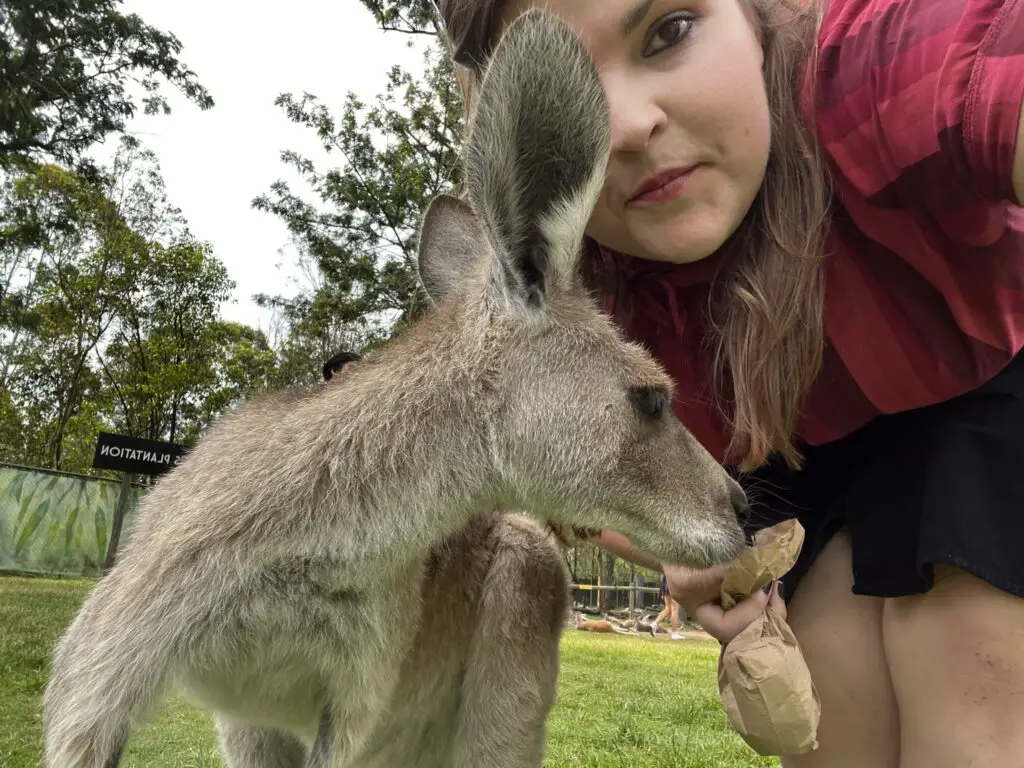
160, 356
111, 315
82, 262
170, 364
243, 365
605, 598
135, 184
359, 240
311, 326
67, 69
414, 17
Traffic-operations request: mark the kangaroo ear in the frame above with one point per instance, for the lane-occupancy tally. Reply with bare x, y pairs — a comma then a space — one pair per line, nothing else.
452, 242
536, 155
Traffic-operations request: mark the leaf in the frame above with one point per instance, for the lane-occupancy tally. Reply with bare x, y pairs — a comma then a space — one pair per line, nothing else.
100, 521
41, 485
17, 485
70, 532
31, 525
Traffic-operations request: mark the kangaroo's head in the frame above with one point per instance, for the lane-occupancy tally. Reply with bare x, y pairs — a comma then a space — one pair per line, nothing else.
579, 420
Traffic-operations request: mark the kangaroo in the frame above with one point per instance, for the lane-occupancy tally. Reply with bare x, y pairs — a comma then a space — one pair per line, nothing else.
480, 676
262, 572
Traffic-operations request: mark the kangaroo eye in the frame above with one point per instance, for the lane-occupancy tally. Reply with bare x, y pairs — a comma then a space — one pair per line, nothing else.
651, 402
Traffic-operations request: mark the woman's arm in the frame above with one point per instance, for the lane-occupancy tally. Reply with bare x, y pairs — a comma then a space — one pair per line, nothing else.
622, 547
922, 99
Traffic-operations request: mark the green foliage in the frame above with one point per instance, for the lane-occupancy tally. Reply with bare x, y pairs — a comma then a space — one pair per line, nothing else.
109, 307
359, 237
78, 260
68, 70
111, 316
415, 17
55, 524
160, 358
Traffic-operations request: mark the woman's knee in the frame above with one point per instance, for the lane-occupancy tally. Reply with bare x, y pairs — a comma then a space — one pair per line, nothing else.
956, 660
840, 635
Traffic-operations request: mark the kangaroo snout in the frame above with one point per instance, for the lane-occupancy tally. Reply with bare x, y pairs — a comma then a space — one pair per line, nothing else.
703, 524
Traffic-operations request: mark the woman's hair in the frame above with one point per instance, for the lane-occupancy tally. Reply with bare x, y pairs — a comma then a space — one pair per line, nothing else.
766, 309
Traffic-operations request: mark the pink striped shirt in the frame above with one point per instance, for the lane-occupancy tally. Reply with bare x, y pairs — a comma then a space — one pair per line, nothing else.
918, 104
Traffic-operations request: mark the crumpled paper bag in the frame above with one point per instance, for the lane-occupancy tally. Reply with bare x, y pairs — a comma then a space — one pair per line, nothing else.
763, 680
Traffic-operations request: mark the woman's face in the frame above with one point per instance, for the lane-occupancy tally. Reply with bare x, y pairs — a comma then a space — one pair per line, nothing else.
689, 119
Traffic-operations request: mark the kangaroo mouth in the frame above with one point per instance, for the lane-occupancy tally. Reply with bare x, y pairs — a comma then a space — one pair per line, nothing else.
570, 535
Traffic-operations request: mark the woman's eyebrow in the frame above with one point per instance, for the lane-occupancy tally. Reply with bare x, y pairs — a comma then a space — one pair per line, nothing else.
635, 17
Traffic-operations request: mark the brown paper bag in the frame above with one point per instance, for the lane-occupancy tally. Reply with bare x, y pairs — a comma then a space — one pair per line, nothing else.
763, 680
774, 552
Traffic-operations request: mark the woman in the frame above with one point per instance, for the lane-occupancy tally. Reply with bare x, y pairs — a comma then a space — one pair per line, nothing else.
812, 217
670, 611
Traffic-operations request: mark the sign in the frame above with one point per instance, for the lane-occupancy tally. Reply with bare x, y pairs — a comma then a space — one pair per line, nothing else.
135, 455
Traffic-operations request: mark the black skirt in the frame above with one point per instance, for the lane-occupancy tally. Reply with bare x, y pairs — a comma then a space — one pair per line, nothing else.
937, 485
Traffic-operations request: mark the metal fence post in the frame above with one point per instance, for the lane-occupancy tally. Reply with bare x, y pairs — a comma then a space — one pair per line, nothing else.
115, 530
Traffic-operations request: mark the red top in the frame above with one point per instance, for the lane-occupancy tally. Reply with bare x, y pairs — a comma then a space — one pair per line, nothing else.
918, 106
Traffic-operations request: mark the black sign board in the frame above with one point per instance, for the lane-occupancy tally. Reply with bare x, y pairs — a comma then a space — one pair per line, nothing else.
135, 455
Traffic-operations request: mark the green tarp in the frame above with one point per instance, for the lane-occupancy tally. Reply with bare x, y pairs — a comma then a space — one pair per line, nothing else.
52, 523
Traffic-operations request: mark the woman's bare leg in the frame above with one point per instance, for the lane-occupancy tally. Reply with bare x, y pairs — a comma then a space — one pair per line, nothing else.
956, 656
841, 637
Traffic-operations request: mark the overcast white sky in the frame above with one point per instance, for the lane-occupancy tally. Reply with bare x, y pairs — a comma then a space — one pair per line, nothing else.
216, 162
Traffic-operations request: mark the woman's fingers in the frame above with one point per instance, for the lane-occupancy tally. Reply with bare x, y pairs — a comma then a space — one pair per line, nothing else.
724, 625
692, 587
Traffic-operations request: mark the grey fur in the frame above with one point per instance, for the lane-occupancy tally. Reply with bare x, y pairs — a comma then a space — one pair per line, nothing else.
265, 575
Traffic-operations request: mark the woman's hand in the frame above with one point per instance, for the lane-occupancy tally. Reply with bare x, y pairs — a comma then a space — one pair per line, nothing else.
622, 547
698, 591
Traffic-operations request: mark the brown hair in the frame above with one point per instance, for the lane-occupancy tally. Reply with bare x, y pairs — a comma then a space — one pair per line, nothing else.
766, 310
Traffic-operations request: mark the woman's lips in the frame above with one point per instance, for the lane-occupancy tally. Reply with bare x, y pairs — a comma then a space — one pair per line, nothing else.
663, 186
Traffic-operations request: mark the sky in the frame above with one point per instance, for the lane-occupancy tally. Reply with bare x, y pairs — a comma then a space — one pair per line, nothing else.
215, 162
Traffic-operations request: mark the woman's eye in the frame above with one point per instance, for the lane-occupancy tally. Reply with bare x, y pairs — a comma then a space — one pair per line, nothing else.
668, 32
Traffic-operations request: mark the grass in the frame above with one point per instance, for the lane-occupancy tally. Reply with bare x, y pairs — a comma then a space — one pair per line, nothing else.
622, 701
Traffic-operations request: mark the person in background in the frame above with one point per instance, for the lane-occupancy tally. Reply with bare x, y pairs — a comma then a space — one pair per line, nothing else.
338, 361
671, 610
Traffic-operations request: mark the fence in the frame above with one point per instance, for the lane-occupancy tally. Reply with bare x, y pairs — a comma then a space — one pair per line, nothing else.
57, 523
640, 597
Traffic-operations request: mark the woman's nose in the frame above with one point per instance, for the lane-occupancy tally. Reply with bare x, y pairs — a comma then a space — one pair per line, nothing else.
634, 115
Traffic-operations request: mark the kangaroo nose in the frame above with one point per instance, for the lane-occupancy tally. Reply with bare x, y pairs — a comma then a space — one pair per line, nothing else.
740, 504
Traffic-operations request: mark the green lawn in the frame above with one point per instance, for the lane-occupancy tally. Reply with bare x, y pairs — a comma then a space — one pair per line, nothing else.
622, 701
